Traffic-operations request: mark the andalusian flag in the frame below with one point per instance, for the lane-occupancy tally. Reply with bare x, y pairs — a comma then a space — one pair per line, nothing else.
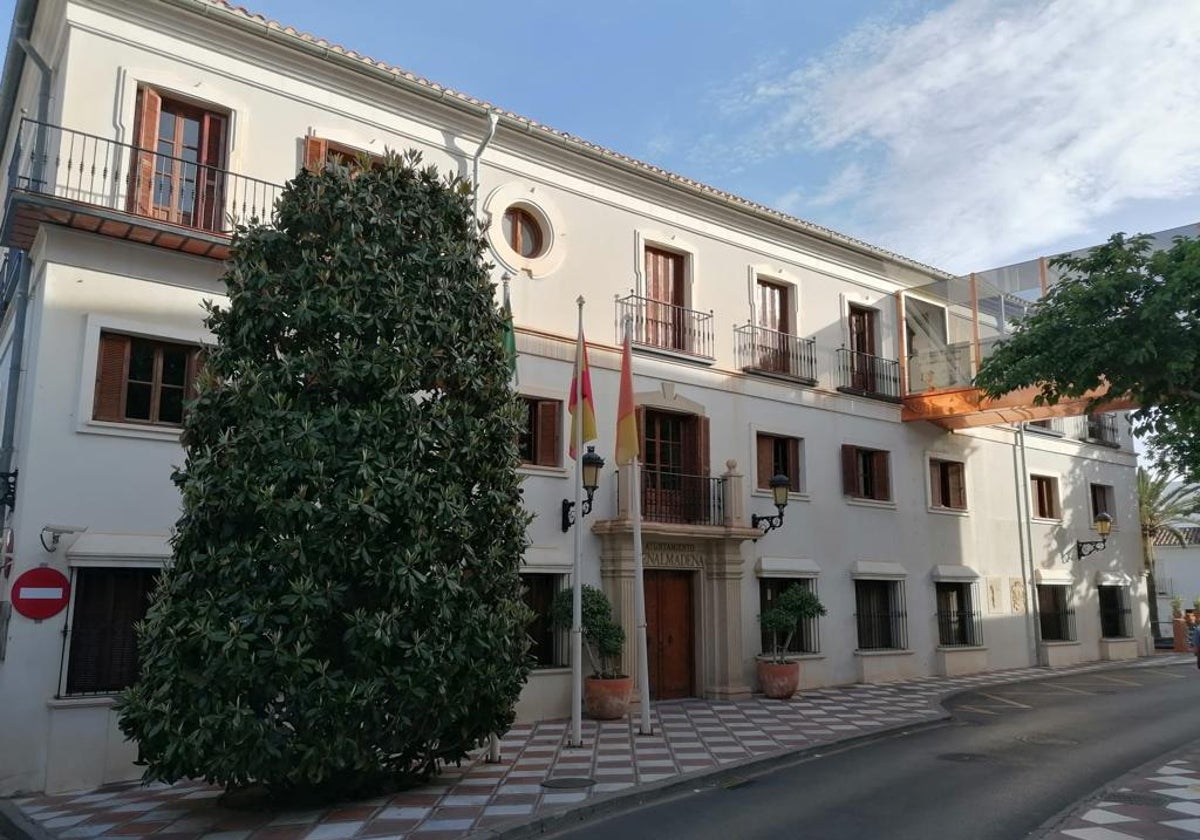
627, 431
581, 381
510, 336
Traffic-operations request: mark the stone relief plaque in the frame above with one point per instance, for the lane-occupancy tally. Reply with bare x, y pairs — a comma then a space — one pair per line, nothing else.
995, 595
1017, 590
672, 556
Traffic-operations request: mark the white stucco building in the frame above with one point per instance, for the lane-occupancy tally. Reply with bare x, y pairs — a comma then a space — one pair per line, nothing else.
940, 533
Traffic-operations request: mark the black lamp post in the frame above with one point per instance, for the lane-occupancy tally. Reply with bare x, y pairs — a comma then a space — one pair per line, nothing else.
780, 484
1083, 548
591, 464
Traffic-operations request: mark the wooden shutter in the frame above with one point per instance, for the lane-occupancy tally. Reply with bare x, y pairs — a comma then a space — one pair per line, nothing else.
766, 459
141, 174
316, 150
547, 436
935, 484
110, 378
639, 414
210, 212
883, 481
703, 460
958, 485
793, 464
850, 470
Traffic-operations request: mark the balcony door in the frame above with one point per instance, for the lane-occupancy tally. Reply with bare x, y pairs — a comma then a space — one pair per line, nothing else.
862, 343
774, 325
675, 483
665, 324
178, 172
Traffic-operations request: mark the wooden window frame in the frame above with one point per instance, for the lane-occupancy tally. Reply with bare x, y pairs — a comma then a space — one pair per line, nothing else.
1043, 493
543, 419
113, 664
109, 404
1107, 498
513, 215
772, 449
318, 151
547, 646
866, 473
945, 492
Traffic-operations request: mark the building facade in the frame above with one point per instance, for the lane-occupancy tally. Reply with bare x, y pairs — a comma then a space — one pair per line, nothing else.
135, 131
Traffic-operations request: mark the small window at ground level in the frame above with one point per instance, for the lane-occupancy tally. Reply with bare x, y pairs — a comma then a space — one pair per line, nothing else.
777, 455
102, 656
1114, 612
880, 615
1056, 619
523, 232
539, 439
958, 620
538, 591
141, 380
805, 639
947, 484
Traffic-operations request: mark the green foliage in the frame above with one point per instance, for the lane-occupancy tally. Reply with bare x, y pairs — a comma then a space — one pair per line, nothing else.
1177, 606
1126, 317
794, 604
343, 612
603, 637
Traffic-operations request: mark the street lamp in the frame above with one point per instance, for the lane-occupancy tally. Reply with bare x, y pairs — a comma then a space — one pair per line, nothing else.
591, 464
780, 484
1083, 548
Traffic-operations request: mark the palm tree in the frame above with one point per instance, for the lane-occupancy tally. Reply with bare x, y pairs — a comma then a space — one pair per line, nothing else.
1163, 506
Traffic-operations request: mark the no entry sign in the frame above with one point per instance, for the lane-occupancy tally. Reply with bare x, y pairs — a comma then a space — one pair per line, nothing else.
41, 593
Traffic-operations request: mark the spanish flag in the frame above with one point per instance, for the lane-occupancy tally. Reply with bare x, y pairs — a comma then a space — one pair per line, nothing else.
581, 381
628, 447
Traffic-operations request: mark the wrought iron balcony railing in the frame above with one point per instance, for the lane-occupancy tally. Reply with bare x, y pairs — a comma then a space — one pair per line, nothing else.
871, 376
79, 167
666, 326
771, 351
1102, 428
669, 496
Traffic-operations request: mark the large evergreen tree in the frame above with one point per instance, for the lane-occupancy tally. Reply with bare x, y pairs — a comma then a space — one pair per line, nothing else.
343, 610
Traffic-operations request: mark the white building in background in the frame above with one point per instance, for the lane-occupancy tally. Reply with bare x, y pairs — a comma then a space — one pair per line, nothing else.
1176, 572
132, 129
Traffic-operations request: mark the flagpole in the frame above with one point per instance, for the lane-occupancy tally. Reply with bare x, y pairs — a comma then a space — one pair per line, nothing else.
577, 570
639, 592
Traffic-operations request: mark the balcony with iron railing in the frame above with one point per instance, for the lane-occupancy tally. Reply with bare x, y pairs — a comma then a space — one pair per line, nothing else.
673, 497
64, 177
868, 375
666, 327
762, 350
1102, 429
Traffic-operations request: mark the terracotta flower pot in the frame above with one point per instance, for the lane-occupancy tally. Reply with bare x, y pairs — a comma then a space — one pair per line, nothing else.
778, 680
607, 699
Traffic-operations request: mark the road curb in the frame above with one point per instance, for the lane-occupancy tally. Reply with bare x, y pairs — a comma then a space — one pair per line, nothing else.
16, 826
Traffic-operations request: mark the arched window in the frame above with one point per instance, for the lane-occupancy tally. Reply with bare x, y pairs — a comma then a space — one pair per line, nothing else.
522, 232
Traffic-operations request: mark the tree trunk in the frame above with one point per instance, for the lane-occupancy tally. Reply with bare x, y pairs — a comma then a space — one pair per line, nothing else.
1151, 589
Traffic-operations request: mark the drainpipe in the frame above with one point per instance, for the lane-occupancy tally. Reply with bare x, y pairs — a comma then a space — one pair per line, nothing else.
493, 121
21, 295
1025, 540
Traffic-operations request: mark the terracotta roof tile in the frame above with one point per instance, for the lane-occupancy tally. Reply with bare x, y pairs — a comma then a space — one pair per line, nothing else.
671, 177
1191, 533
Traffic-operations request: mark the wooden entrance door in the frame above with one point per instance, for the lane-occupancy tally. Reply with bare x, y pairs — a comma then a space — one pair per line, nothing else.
669, 633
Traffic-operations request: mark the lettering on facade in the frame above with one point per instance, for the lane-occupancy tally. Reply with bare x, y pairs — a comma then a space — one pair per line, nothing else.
1017, 589
672, 556
995, 595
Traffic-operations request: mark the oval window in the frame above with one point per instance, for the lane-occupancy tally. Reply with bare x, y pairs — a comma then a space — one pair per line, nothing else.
522, 232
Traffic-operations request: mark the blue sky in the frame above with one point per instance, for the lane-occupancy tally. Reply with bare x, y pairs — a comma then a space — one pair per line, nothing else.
965, 133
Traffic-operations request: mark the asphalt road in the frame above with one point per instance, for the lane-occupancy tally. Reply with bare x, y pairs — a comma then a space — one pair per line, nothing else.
1012, 757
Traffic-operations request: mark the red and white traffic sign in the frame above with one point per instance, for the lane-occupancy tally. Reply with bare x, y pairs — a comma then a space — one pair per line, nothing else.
41, 593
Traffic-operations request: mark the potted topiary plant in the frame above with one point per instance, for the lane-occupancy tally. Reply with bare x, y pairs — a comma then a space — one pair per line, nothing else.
606, 692
778, 677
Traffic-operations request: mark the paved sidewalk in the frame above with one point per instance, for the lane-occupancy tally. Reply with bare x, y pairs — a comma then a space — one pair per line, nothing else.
1159, 801
692, 736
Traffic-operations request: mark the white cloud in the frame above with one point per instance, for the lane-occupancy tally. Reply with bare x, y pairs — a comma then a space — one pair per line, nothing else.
985, 130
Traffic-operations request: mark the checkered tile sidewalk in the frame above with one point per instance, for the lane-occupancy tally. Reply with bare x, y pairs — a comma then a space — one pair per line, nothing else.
1162, 803
690, 736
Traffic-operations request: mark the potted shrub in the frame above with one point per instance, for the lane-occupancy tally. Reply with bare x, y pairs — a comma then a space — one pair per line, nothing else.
778, 677
606, 692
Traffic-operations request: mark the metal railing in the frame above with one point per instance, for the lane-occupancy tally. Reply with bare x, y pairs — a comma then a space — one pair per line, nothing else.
1057, 626
959, 628
882, 630
1102, 428
666, 326
77, 166
1114, 621
806, 639
675, 497
862, 373
772, 351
